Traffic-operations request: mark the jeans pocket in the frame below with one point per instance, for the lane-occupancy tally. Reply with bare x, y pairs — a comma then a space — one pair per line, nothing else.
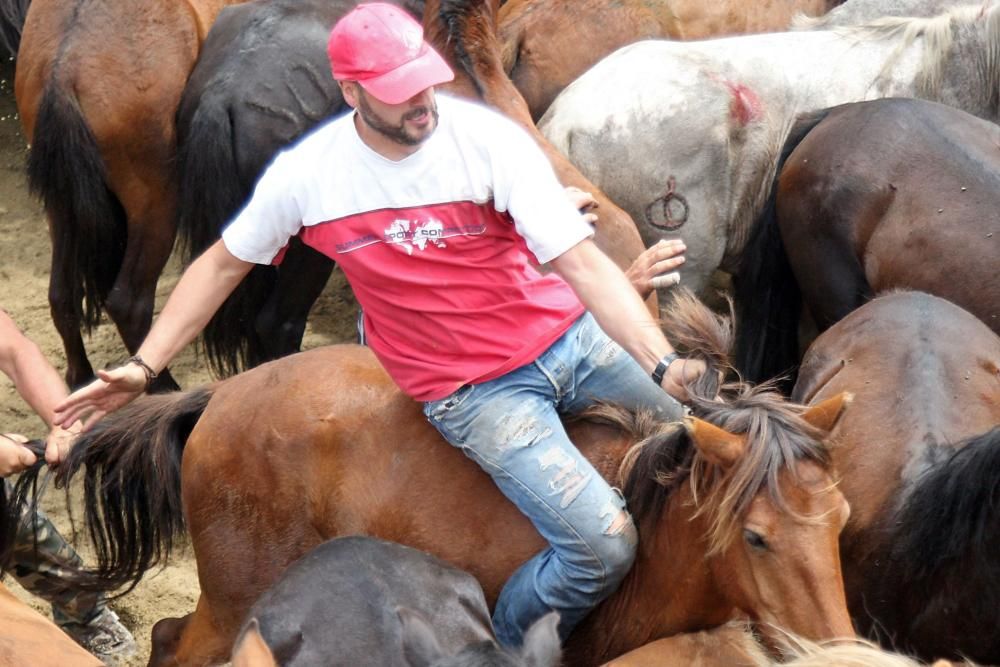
435, 410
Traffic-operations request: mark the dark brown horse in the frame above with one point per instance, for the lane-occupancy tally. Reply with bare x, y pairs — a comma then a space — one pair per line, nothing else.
737, 512
97, 86
262, 81
548, 43
919, 457
894, 193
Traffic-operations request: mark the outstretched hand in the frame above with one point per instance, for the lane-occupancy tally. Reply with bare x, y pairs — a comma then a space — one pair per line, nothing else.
654, 268
111, 390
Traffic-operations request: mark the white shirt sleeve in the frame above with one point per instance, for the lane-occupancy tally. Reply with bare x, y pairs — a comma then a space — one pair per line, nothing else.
526, 187
270, 218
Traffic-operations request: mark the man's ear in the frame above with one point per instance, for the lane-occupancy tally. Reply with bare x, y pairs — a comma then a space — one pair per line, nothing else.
349, 90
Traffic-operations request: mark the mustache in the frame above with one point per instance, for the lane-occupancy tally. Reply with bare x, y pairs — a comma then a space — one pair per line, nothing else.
413, 114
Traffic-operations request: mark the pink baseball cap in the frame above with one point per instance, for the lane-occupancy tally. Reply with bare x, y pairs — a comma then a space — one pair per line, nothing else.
382, 47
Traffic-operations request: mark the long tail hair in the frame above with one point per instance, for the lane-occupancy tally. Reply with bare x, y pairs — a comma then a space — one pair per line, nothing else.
947, 532
12, 15
768, 300
132, 485
211, 193
66, 171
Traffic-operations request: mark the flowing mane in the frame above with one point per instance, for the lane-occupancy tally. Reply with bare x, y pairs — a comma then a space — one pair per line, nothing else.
777, 438
665, 457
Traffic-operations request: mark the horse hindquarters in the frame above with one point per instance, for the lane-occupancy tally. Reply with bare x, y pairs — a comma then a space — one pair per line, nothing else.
87, 224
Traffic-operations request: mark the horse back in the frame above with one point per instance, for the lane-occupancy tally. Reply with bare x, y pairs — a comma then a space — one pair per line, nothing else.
321, 444
910, 211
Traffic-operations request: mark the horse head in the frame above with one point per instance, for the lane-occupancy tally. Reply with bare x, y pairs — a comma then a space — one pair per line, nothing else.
737, 507
768, 505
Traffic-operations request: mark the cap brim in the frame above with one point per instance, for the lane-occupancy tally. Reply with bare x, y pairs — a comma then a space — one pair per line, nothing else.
398, 85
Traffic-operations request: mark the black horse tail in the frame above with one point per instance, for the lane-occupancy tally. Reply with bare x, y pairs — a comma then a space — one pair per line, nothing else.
132, 486
211, 193
768, 300
13, 510
12, 15
66, 171
947, 532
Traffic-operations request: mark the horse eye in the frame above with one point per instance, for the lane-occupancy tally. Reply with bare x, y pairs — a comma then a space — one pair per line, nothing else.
755, 540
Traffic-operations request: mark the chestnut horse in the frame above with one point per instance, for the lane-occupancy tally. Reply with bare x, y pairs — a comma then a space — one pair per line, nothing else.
233, 119
896, 193
97, 86
549, 43
919, 455
737, 511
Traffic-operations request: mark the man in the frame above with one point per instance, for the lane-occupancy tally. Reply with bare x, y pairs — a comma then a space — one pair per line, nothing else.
41, 556
436, 209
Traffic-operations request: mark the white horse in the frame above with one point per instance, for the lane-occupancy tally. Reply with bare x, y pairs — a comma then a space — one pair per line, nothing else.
685, 135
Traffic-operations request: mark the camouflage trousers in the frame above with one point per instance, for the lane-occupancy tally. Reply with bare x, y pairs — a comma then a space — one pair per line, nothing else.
41, 560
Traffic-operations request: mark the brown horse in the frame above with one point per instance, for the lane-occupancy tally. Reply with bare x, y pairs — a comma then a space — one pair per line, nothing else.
546, 44
919, 455
737, 512
28, 638
894, 193
97, 86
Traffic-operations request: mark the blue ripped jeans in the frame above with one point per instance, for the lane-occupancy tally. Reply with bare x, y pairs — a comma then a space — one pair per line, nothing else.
510, 426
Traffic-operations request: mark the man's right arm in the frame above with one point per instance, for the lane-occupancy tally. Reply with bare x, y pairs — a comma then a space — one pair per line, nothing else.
198, 295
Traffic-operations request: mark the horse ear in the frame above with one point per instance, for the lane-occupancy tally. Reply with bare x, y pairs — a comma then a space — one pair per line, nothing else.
541, 642
825, 415
718, 445
251, 649
420, 643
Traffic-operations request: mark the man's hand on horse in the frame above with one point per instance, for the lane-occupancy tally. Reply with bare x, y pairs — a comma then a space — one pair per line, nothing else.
680, 373
584, 202
14, 456
111, 390
654, 268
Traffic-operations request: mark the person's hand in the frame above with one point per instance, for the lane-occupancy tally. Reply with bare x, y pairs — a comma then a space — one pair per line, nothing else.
654, 268
680, 373
14, 456
583, 202
60, 441
111, 390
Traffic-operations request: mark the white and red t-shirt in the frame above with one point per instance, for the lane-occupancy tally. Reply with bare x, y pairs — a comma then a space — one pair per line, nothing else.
435, 246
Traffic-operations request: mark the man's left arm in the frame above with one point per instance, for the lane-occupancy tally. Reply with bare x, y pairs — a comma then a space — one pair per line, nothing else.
609, 295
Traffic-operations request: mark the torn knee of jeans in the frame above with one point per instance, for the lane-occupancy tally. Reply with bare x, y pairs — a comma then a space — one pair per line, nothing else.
520, 430
619, 524
567, 480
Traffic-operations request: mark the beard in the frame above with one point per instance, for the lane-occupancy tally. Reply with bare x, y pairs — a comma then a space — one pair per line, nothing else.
398, 133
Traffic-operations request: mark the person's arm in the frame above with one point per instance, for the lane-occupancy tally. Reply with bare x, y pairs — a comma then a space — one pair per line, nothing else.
199, 293
609, 295
35, 379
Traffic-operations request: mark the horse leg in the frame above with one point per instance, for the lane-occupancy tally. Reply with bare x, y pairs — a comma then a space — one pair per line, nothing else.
151, 231
165, 637
191, 641
301, 278
65, 316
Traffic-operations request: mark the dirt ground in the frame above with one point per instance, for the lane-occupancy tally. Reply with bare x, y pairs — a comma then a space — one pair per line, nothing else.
24, 272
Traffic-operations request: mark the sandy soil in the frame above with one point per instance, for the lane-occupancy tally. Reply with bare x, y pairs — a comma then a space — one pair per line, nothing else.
24, 272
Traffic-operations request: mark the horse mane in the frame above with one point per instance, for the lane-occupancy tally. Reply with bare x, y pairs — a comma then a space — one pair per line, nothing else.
937, 32
951, 517
656, 466
469, 30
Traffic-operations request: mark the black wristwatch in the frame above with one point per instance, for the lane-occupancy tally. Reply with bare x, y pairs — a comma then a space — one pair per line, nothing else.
662, 367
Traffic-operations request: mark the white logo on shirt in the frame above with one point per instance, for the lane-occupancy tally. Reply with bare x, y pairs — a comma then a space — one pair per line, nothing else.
399, 233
